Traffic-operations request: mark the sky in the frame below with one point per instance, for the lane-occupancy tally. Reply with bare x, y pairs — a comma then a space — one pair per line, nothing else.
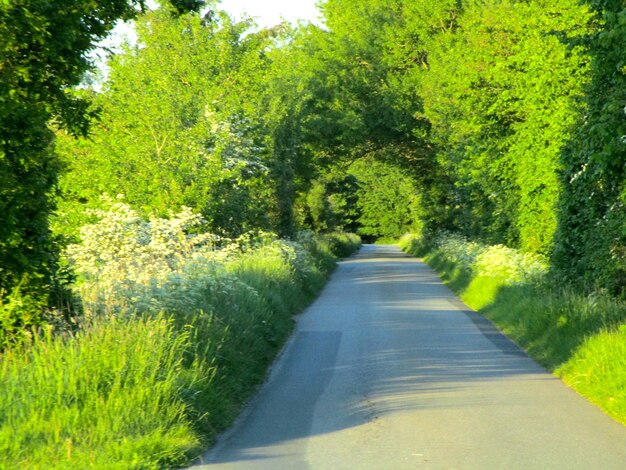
269, 12
266, 13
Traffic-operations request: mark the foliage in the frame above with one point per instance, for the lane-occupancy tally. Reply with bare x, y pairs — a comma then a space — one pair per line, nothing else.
473, 101
416, 244
388, 202
352, 102
128, 264
282, 108
43, 53
369, 52
589, 244
502, 94
508, 265
121, 253
330, 204
330, 245
173, 129
20, 313
516, 117
170, 354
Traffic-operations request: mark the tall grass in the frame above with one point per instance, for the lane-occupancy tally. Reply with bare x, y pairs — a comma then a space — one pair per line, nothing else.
581, 338
165, 362
103, 399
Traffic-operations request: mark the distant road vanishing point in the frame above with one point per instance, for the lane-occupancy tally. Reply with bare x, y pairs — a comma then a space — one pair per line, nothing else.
389, 370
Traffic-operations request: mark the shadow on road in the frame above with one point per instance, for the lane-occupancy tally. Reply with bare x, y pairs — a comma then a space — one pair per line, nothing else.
386, 336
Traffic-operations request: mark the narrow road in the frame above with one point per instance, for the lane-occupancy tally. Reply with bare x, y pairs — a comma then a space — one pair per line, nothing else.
389, 370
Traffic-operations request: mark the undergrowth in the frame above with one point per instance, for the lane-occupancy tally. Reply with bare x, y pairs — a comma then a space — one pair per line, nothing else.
581, 338
177, 334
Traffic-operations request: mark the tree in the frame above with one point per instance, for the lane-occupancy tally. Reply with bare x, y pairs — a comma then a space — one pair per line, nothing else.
369, 59
503, 94
389, 204
43, 53
44, 50
330, 204
589, 243
174, 127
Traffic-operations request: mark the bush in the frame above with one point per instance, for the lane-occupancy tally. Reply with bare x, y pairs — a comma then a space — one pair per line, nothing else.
20, 313
508, 265
415, 244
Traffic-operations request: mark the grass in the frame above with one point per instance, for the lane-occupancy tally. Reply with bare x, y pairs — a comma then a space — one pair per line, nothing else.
580, 338
596, 370
152, 390
100, 400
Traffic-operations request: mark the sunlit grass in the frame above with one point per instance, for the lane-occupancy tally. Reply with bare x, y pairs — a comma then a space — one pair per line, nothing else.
94, 401
598, 371
582, 339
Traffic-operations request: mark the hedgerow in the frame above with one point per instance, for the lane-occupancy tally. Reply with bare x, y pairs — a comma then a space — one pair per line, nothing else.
178, 329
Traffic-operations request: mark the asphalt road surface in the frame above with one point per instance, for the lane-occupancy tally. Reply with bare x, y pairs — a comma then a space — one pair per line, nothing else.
389, 370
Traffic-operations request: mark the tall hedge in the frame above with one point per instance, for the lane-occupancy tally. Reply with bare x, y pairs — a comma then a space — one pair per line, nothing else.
590, 242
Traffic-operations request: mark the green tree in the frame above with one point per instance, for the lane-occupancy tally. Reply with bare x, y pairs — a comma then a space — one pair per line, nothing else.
174, 127
389, 204
331, 202
370, 60
589, 249
43, 53
503, 92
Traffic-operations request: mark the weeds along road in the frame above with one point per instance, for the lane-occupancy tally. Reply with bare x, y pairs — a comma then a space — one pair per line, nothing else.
389, 370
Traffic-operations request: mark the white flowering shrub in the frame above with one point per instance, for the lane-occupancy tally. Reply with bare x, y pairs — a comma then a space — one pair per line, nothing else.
127, 262
457, 249
508, 264
120, 245
498, 261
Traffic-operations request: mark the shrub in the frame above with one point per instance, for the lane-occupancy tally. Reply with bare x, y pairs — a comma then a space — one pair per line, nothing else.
415, 244
20, 313
508, 265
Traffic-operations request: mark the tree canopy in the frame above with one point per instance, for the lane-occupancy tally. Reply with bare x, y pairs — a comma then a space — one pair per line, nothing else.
502, 121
